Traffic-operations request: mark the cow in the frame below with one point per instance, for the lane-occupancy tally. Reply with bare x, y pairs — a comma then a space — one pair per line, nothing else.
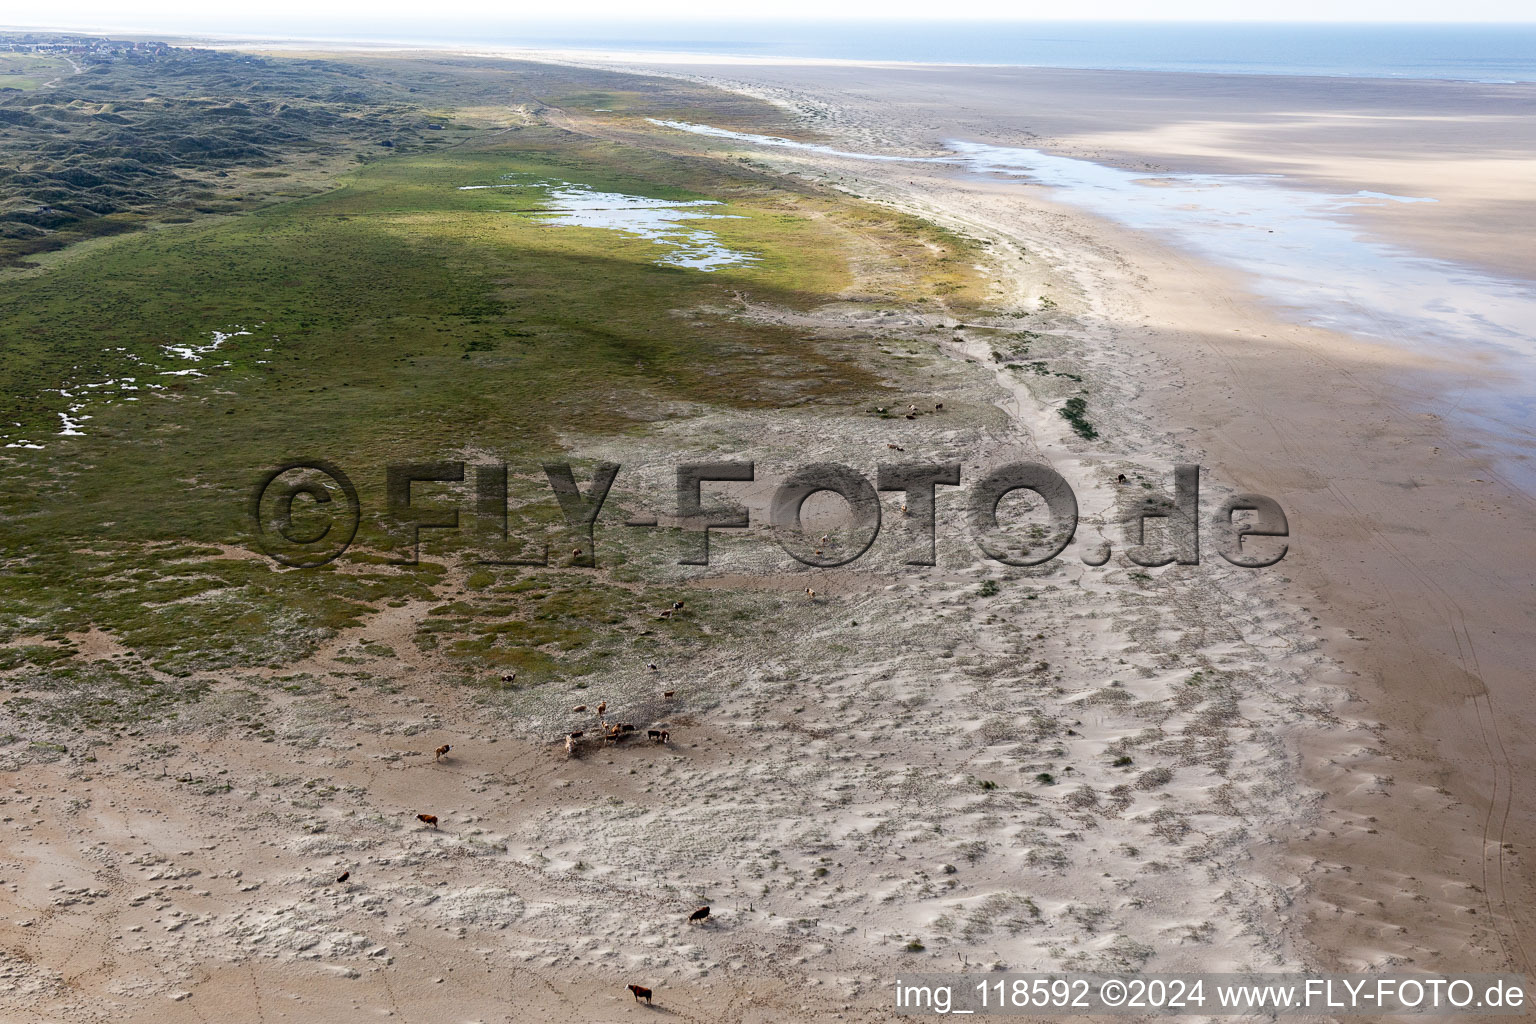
578, 709
702, 914
626, 727
437, 755
344, 876
428, 819
602, 708
570, 746
658, 735
669, 694
508, 677
677, 606
641, 992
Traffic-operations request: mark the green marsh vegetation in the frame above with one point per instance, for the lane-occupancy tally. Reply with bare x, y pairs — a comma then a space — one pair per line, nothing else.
391, 317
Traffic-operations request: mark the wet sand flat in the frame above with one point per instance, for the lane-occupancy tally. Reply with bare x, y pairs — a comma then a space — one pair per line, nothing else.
1470, 145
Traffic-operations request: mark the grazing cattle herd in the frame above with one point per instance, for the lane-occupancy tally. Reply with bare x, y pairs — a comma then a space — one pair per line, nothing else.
612, 734
616, 732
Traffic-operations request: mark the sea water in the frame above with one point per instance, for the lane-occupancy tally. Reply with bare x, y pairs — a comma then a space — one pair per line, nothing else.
1466, 52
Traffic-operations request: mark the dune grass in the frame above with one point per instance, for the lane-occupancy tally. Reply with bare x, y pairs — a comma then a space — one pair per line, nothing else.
393, 317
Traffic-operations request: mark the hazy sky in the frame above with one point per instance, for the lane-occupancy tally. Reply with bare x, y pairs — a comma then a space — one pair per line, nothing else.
200, 15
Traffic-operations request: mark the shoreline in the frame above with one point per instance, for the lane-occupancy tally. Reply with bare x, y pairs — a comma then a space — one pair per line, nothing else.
1408, 137
645, 51
608, 56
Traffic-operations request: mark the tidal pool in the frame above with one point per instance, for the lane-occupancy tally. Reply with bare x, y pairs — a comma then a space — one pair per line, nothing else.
669, 223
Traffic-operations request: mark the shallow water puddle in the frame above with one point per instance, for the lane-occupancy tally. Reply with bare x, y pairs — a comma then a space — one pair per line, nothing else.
666, 222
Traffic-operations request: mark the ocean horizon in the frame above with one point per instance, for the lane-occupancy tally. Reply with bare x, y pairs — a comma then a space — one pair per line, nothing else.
1482, 52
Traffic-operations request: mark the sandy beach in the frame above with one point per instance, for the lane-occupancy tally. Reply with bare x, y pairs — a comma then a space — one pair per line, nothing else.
1408, 544
1315, 766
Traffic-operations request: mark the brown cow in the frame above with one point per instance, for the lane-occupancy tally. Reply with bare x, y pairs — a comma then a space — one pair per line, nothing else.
659, 735
601, 708
702, 914
669, 694
428, 819
578, 709
437, 755
641, 992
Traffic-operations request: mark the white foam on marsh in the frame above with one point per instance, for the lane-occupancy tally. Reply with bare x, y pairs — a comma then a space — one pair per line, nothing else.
198, 351
73, 420
670, 223
79, 396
